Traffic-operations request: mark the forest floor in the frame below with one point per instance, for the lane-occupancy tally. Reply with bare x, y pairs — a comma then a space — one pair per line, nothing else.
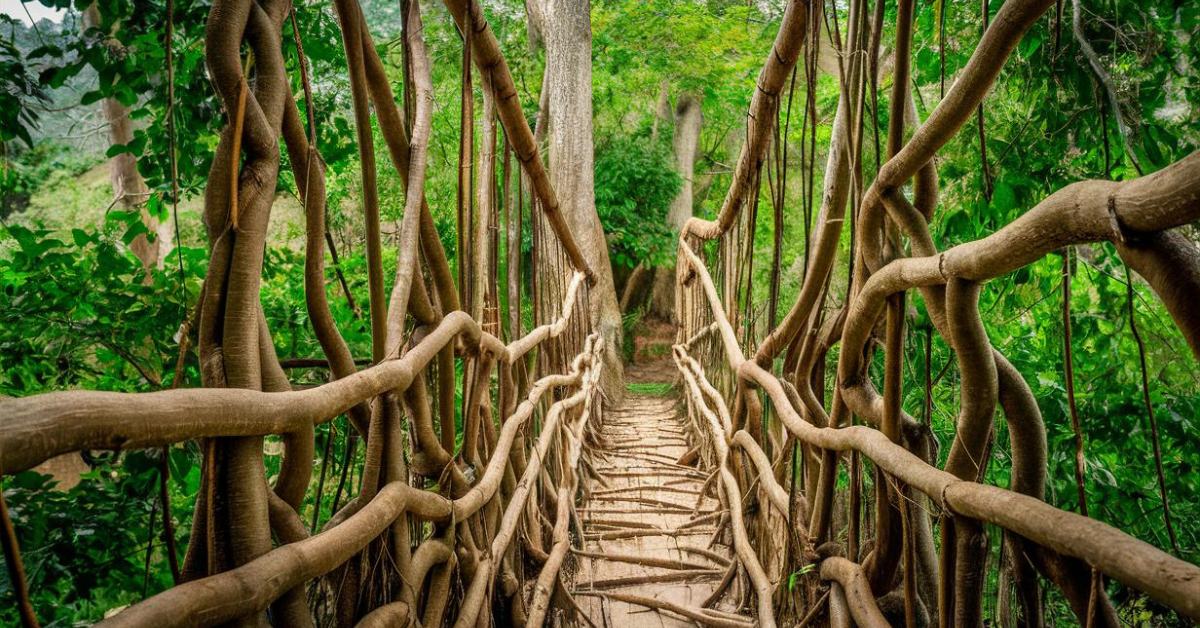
654, 549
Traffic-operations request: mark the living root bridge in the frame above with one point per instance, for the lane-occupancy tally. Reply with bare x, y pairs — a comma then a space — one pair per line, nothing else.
476, 455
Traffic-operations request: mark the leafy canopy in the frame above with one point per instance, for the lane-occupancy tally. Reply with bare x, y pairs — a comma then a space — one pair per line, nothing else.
635, 184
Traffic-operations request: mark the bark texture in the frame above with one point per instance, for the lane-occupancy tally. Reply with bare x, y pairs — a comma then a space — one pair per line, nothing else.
568, 37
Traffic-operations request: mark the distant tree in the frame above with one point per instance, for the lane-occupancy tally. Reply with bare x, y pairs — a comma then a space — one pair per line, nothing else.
685, 146
568, 40
129, 188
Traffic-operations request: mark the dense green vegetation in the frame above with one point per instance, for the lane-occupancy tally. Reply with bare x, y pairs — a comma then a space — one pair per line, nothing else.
77, 309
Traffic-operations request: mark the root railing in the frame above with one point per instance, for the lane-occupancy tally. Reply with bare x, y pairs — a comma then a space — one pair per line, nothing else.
1131, 561
782, 435
40, 427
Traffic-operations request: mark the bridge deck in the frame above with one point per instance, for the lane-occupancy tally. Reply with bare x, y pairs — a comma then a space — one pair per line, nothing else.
648, 512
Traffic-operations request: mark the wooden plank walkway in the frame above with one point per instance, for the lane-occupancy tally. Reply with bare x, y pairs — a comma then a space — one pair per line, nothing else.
649, 533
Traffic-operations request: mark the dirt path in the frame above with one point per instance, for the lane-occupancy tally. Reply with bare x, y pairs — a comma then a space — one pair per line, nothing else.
649, 533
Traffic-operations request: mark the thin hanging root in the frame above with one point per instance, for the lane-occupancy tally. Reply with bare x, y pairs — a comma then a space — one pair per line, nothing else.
812, 612
16, 568
708, 483
718, 515
712, 612
716, 557
1068, 366
689, 457
1158, 460
717, 535
695, 614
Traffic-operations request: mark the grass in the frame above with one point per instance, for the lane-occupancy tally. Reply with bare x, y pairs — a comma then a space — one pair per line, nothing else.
657, 350
650, 389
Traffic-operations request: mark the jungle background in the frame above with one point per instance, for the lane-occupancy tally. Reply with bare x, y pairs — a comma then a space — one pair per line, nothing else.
78, 308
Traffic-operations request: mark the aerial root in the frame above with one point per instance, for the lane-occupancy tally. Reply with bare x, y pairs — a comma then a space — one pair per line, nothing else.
689, 457
695, 521
634, 533
647, 561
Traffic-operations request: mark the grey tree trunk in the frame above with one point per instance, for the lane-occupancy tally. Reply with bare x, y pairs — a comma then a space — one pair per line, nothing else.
129, 188
662, 111
568, 39
688, 119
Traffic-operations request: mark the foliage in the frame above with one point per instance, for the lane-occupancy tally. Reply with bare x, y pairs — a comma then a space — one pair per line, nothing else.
635, 184
85, 549
80, 311
714, 48
30, 169
18, 91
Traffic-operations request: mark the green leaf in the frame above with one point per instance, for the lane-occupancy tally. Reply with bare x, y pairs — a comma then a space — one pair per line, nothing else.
91, 97
1030, 44
23, 133
81, 237
1152, 152
1003, 196
44, 51
117, 149
136, 229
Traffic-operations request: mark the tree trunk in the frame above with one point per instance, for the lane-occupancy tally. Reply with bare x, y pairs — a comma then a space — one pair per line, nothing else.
129, 188
662, 111
568, 37
688, 118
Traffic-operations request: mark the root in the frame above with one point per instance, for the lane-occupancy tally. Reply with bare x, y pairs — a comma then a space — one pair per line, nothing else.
694, 614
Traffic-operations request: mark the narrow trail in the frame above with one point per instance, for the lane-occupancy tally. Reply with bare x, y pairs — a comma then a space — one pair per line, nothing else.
650, 538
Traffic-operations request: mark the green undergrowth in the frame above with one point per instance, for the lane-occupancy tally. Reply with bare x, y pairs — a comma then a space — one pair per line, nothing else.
649, 389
